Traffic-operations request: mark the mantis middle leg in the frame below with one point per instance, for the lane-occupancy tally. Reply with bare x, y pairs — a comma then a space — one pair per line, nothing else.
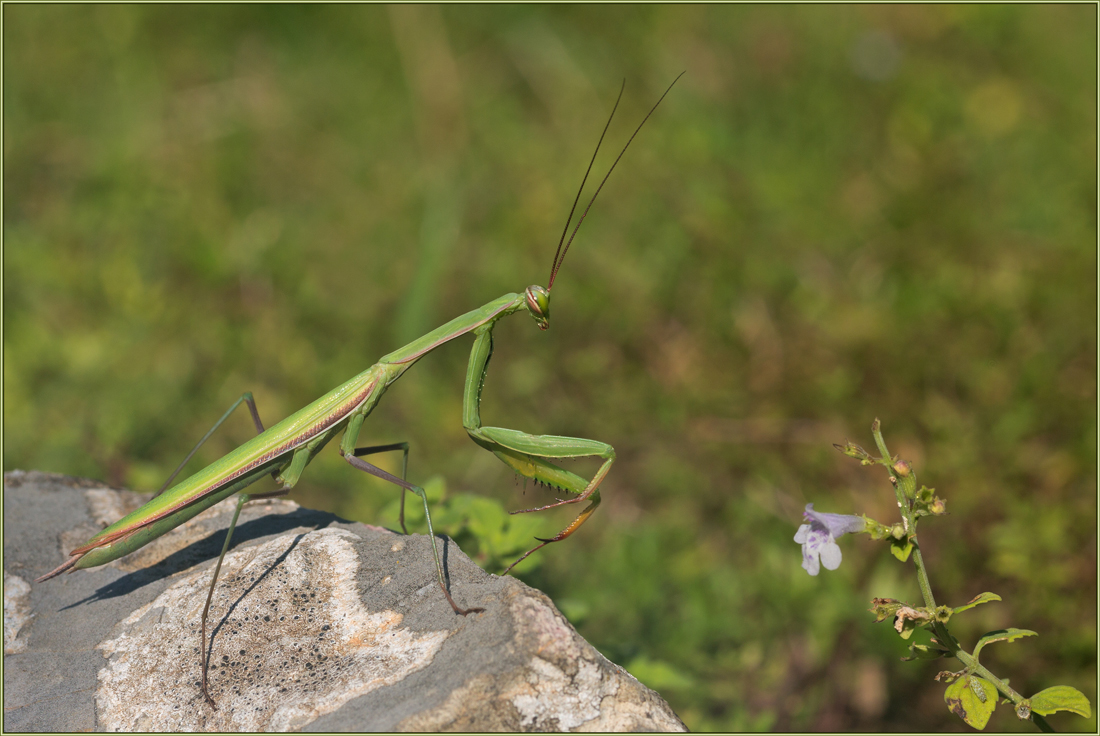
351, 454
404, 447
527, 453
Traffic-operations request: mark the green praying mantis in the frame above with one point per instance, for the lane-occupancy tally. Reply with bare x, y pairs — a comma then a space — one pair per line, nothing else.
284, 450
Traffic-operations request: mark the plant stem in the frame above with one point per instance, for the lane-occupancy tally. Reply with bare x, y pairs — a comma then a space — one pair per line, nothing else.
900, 485
922, 577
903, 488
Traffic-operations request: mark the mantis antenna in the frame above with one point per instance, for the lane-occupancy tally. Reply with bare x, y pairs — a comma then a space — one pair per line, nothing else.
559, 256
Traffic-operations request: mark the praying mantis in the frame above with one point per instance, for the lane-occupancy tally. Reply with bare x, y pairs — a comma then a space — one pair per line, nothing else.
285, 449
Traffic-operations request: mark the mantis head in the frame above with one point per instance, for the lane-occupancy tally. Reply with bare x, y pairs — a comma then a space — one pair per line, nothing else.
538, 304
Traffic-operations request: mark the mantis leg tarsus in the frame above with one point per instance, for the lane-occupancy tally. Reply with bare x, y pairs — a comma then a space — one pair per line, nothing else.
404, 446
245, 397
581, 518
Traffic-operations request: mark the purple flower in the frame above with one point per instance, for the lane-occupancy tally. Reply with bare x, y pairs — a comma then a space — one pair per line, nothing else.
818, 538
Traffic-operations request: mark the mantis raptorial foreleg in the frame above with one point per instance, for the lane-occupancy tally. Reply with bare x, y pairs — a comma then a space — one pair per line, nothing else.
526, 453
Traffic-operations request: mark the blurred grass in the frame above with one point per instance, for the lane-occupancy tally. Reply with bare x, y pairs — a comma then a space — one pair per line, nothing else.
840, 212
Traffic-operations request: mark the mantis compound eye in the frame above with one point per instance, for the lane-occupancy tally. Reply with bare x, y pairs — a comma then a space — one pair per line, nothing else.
538, 304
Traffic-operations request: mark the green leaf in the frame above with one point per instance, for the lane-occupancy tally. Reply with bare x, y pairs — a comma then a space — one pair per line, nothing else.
1061, 697
520, 535
658, 674
901, 548
435, 488
1002, 635
978, 600
920, 651
972, 699
574, 609
486, 519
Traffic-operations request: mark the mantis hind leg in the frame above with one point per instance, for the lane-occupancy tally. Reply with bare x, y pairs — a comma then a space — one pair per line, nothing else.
530, 454
242, 499
204, 653
404, 446
246, 397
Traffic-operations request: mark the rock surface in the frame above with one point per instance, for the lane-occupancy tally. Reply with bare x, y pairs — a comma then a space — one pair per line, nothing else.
318, 624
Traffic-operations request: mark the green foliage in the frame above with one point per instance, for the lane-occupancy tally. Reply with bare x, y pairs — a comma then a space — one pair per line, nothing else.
977, 601
972, 699
1003, 635
901, 548
839, 210
1060, 697
661, 676
923, 651
480, 525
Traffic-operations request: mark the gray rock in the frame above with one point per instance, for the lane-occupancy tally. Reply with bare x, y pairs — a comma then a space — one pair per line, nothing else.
318, 624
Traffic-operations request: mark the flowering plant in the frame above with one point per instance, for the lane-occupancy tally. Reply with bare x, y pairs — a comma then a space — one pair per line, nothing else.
818, 538
972, 692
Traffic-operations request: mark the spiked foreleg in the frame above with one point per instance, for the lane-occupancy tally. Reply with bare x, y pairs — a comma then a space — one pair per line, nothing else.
529, 454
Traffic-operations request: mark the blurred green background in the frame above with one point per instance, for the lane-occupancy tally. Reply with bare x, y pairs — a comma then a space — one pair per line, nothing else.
840, 212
